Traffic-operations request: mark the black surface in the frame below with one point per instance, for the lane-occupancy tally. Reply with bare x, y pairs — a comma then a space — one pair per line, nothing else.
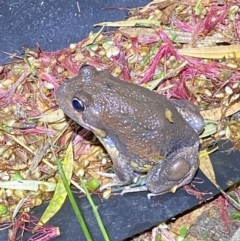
54, 25
129, 214
124, 216
226, 165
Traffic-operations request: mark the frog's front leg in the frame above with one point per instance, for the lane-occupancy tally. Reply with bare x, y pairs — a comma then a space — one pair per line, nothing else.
177, 170
123, 175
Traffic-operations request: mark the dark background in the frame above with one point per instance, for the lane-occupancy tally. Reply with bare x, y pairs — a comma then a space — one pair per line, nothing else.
54, 25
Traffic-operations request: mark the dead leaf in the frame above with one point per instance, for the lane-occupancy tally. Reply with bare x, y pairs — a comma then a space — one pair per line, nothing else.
167, 12
210, 129
216, 113
30, 185
207, 168
44, 147
151, 85
92, 38
59, 126
130, 23
161, 4
55, 116
182, 37
141, 33
216, 52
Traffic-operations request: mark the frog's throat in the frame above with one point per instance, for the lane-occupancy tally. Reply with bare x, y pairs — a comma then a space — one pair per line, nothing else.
98, 132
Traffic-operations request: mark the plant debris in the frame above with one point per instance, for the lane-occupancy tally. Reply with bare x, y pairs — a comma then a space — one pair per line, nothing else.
201, 42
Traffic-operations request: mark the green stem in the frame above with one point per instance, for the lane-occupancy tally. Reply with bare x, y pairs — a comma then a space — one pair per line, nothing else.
230, 198
95, 211
73, 202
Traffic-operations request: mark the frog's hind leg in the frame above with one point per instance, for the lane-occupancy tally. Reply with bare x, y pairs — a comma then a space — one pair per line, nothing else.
175, 171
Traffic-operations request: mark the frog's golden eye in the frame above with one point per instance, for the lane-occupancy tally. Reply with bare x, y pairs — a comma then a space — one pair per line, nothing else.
78, 105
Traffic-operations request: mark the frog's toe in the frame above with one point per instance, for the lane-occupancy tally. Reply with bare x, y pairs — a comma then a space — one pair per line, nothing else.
150, 195
116, 182
105, 174
113, 183
134, 189
110, 184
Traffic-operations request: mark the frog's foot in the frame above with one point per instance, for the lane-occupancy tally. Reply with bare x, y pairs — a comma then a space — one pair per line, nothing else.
141, 189
105, 174
150, 195
116, 182
113, 183
134, 189
175, 171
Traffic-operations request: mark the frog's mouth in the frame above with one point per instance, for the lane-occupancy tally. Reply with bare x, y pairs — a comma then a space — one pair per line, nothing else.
98, 132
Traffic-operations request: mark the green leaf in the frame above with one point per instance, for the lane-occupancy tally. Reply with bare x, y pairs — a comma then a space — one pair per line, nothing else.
183, 233
60, 193
235, 216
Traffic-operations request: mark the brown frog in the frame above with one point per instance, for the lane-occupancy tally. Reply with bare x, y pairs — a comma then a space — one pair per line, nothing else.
141, 130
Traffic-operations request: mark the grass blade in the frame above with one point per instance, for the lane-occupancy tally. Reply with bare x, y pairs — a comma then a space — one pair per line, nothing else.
95, 211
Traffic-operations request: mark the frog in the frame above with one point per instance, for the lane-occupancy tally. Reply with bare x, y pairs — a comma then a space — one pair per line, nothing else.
142, 131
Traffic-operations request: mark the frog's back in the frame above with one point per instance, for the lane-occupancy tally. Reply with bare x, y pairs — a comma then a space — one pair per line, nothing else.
147, 124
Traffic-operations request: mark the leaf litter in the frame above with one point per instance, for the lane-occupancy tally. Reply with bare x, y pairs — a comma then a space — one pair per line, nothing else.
200, 41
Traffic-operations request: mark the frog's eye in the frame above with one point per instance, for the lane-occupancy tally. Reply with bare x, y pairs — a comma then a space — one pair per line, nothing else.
78, 105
